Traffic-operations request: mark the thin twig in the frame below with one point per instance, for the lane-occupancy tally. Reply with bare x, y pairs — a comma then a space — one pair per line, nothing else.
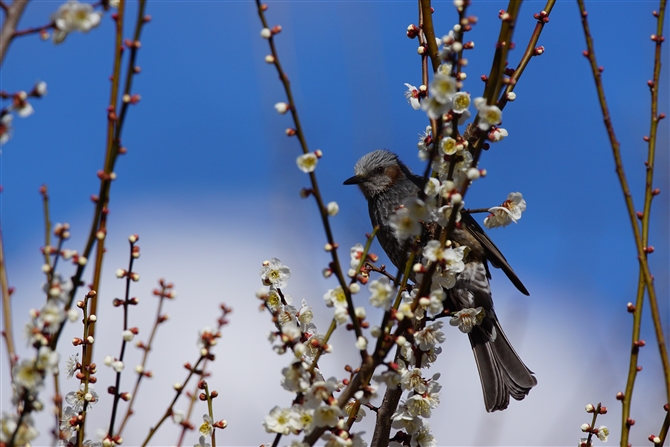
13, 14
542, 18
628, 198
336, 267
7, 330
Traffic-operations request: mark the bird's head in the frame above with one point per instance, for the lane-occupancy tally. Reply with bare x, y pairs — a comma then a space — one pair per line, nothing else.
378, 171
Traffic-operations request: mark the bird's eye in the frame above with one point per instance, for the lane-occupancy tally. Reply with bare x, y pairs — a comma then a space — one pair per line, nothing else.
379, 170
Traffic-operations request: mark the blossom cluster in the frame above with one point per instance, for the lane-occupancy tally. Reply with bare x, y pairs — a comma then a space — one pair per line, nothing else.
74, 16
315, 405
19, 106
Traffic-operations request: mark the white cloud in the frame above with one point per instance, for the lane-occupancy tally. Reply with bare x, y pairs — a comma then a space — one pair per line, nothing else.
577, 352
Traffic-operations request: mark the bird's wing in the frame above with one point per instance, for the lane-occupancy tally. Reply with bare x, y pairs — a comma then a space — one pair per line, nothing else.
493, 255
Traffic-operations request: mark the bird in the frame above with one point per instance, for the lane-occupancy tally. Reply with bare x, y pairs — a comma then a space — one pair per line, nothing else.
386, 182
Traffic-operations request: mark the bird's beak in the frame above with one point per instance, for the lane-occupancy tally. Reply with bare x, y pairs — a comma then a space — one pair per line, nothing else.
355, 180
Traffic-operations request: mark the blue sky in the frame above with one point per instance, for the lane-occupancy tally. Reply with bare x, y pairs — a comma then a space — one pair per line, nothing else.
207, 150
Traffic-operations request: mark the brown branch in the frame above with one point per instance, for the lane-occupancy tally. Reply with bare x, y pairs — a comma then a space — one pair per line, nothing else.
542, 18
7, 330
337, 269
34, 30
628, 198
13, 14
503, 46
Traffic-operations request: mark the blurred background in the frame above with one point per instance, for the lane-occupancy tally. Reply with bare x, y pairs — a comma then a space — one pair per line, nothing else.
211, 186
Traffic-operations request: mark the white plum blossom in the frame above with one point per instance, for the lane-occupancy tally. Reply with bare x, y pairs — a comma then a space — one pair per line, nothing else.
71, 365
341, 315
335, 297
436, 305
425, 143
423, 438
429, 336
282, 107
51, 316
443, 88
274, 273
202, 442
74, 16
303, 418
307, 162
603, 433
404, 225
420, 405
206, 428
497, 134
448, 146
6, 127
404, 420
412, 380
327, 415
320, 391
467, 319
295, 378
27, 376
8, 426
488, 115
509, 211
434, 108
460, 102
432, 187
280, 420
356, 254
381, 293
412, 96
77, 398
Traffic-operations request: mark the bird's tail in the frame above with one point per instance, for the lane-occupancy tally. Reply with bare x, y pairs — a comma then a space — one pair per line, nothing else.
501, 371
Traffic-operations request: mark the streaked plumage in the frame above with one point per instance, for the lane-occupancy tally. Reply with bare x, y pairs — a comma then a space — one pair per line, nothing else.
386, 183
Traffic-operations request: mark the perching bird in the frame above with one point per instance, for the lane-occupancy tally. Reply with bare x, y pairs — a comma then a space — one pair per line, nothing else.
386, 183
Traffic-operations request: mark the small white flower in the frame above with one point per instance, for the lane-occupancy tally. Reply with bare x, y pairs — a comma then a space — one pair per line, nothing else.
333, 208
430, 336
127, 335
467, 319
71, 365
488, 115
5, 127
381, 293
295, 378
327, 416
307, 162
281, 107
603, 433
335, 297
432, 187
510, 211
497, 134
206, 428
423, 438
74, 16
448, 146
434, 108
443, 88
412, 95
425, 143
361, 343
27, 376
266, 33
202, 443
77, 398
274, 273
460, 102
320, 391
279, 421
